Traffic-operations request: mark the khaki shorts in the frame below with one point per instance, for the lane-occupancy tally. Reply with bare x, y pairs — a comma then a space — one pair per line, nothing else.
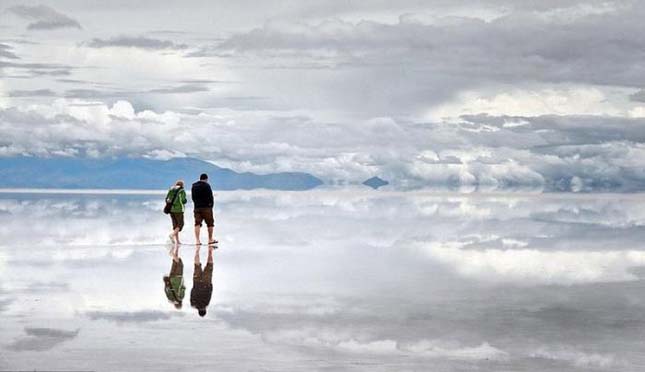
204, 276
177, 220
204, 214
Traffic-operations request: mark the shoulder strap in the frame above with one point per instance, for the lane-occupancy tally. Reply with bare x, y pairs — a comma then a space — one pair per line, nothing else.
175, 196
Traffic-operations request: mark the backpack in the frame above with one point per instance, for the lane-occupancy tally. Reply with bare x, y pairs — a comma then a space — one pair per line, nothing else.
168, 206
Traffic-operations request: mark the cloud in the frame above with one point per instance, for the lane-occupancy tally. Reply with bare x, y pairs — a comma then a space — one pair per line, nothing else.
36, 69
32, 93
140, 42
518, 102
40, 339
479, 151
5, 52
322, 338
575, 357
184, 88
44, 17
574, 49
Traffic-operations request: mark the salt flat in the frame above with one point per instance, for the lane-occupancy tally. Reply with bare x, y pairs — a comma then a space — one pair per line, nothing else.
327, 280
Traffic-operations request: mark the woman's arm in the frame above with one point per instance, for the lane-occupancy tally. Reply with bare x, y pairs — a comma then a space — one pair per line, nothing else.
183, 196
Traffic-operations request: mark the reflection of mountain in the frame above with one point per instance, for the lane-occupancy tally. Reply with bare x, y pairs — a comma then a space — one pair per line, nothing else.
137, 173
375, 182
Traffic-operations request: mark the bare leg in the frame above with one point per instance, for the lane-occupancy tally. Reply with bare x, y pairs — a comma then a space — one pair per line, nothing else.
210, 234
175, 252
197, 230
175, 233
210, 254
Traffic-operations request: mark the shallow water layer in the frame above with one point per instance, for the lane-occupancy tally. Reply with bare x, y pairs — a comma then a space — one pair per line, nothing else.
327, 280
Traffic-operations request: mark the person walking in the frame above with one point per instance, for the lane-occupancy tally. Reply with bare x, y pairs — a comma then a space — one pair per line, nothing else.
202, 196
176, 196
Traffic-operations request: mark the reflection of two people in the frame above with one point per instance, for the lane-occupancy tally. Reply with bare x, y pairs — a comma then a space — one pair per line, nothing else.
200, 295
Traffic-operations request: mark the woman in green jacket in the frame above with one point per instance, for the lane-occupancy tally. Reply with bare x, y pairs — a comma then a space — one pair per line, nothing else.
178, 194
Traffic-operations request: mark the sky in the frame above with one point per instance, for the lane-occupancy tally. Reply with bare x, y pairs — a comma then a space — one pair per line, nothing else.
489, 93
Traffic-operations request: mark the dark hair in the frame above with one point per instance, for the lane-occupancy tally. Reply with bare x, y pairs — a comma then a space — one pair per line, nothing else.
202, 312
203, 176
178, 305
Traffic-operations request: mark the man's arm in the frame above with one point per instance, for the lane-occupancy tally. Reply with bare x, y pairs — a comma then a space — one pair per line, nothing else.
211, 201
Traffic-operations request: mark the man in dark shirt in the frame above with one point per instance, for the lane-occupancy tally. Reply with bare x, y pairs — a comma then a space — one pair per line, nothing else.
202, 196
200, 295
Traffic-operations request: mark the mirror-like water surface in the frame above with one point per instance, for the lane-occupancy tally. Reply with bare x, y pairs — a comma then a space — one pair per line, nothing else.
326, 280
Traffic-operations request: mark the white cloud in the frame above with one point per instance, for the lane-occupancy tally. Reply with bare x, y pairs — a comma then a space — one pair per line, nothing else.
480, 152
522, 102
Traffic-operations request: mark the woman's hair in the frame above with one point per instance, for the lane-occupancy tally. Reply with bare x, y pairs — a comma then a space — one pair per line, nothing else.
180, 183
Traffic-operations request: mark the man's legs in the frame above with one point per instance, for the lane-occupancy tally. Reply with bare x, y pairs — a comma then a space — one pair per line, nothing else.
198, 224
197, 231
210, 234
210, 223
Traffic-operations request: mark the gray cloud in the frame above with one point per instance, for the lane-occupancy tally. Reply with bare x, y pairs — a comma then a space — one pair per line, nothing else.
41, 339
140, 42
184, 88
44, 17
638, 96
130, 317
5, 51
399, 68
36, 69
32, 93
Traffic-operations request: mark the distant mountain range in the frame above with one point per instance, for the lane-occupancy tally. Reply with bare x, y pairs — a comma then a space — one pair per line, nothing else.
137, 173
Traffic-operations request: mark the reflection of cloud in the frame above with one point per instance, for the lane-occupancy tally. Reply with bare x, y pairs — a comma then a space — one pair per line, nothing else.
131, 316
321, 338
40, 339
575, 357
522, 266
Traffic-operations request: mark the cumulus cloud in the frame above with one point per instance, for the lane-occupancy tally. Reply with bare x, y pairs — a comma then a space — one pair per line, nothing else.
140, 42
481, 151
43, 17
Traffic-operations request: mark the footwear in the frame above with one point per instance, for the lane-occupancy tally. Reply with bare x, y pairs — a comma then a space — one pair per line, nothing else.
212, 242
